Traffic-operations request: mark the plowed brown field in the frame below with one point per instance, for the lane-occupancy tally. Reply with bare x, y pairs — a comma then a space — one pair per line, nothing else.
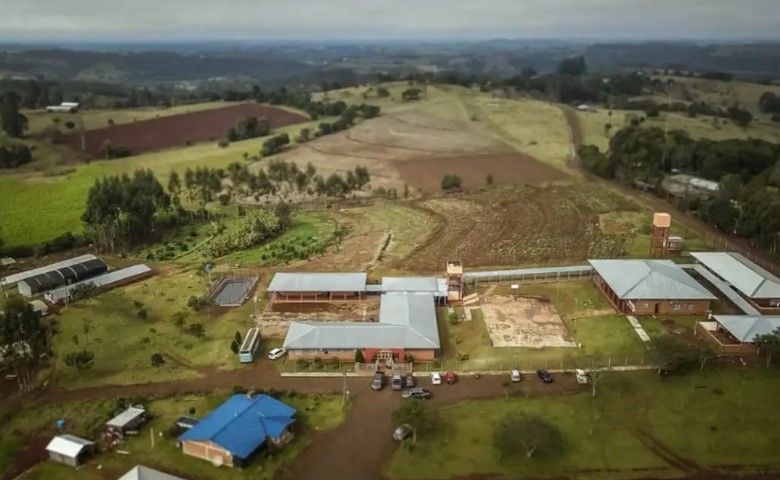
426, 173
528, 225
177, 130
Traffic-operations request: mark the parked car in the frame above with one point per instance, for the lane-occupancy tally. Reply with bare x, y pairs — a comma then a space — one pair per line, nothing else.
514, 375
378, 382
436, 378
582, 377
544, 375
451, 378
416, 393
277, 353
409, 381
402, 432
397, 382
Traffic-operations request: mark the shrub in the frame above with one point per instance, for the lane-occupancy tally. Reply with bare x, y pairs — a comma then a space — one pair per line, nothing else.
450, 182
239, 390
142, 314
223, 143
453, 317
317, 363
462, 356
70, 125
335, 363
301, 364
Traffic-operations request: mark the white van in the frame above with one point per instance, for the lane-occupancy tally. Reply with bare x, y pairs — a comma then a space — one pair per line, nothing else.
582, 377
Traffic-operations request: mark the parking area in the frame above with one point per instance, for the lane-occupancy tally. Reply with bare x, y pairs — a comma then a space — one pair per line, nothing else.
525, 321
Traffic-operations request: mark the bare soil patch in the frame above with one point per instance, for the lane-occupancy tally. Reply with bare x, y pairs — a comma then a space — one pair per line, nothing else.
524, 322
426, 173
275, 320
177, 130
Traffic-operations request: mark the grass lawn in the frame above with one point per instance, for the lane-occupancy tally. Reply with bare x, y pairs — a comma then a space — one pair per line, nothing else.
608, 338
569, 298
9, 447
314, 413
123, 342
27, 196
719, 417
529, 126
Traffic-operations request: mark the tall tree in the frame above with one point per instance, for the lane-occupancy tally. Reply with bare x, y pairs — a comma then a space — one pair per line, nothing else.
574, 66
414, 412
174, 187
12, 121
22, 341
81, 360
32, 94
769, 345
520, 432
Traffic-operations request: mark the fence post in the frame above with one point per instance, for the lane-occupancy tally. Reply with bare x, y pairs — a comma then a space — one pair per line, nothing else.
609, 362
626, 361
642, 360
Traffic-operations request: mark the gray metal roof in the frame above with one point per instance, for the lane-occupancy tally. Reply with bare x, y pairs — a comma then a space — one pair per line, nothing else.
18, 277
104, 280
724, 288
650, 279
744, 275
745, 328
405, 321
68, 445
126, 417
529, 271
409, 284
145, 473
318, 282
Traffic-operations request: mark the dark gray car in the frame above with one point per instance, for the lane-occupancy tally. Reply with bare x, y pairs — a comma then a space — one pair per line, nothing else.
409, 382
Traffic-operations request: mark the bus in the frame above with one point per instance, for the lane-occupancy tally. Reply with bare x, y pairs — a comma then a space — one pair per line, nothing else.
249, 346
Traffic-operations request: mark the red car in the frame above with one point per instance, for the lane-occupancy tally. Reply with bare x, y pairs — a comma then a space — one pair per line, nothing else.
451, 378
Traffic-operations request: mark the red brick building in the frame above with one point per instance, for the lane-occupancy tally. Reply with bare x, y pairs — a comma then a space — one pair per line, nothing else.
650, 287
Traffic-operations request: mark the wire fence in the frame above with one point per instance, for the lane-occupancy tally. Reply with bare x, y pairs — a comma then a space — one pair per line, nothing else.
530, 364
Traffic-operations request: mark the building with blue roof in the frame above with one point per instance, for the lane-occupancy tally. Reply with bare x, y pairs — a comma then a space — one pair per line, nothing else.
233, 432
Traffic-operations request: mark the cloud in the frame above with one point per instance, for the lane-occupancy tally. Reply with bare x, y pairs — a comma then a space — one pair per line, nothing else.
322, 19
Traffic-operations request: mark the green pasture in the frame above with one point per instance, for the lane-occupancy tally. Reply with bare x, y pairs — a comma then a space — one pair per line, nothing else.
715, 418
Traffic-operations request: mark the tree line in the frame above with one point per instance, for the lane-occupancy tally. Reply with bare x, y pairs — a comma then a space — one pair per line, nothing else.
747, 202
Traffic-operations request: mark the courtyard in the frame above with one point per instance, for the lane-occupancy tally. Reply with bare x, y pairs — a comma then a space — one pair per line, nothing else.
526, 321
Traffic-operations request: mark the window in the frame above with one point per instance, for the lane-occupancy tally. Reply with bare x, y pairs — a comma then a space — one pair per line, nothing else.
645, 305
676, 307
774, 303
690, 306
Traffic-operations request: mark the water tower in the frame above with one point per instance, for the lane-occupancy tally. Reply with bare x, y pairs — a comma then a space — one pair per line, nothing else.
659, 239
454, 281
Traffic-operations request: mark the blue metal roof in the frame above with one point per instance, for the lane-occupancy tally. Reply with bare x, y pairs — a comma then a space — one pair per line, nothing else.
242, 424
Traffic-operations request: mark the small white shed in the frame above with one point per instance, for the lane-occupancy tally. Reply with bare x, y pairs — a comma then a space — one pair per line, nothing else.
145, 473
40, 307
69, 449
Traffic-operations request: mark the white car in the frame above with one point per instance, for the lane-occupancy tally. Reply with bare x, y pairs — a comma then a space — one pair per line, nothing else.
277, 353
436, 378
514, 375
582, 377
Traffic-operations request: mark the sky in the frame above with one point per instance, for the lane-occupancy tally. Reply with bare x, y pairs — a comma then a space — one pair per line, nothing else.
153, 20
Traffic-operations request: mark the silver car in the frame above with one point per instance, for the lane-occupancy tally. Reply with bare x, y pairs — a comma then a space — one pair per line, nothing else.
402, 432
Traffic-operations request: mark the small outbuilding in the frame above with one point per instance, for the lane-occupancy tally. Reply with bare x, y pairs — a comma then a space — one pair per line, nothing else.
40, 307
130, 419
140, 472
70, 449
